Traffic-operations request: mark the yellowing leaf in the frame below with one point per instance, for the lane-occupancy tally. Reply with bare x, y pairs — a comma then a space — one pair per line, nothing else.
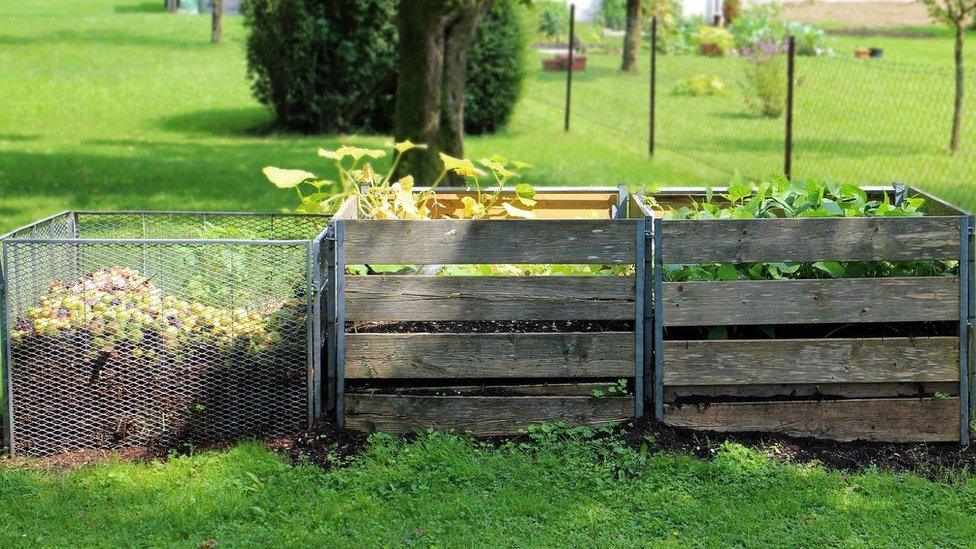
454, 164
524, 190
406, 145
406, 182
331, 155
518, 212
357, 152
286, 179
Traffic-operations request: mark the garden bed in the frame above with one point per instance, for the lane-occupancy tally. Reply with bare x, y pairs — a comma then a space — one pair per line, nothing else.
157, 329
489, 354
873, 386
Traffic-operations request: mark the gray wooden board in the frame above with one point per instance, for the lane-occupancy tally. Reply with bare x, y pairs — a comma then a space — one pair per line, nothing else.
741, 302
811, 239
742, 362
451, 241
885, 420
489, 298
479, 415
476, 355
807, 390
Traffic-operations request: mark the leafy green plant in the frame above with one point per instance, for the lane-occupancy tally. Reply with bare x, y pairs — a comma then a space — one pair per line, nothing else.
766, 78
700, 85
778, 197
617, 389
714, 41
553, 18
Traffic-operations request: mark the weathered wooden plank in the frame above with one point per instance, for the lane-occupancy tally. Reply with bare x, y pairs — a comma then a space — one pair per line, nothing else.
883, 420
451, 241
489, 297
549, 205
524, 355
811, 239
349, 209
479, 415
744, 362
741, 302
521, 389
806, 390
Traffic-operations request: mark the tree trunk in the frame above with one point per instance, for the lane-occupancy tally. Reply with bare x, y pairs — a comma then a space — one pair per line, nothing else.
216, 21
956, 142
632, 36
459, 34
418, 95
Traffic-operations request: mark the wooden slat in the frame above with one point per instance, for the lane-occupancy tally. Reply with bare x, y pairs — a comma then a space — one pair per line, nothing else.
439, 241
479, 415
811, 239
914, 299
349, 209
561, 205
696, 393
884, 420
811, 361
521, 389
489, 298
524, 355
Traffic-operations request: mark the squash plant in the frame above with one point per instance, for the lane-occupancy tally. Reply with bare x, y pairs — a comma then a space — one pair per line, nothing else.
778, 197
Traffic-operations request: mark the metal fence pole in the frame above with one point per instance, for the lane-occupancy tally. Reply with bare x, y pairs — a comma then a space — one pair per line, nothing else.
653, 92
640, 306
330, 311
964, 330
340, 327
5, 347
569, 62
790, 84
971, 321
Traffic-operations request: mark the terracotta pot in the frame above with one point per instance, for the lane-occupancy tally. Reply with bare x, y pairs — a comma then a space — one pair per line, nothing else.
862, 53
559, 62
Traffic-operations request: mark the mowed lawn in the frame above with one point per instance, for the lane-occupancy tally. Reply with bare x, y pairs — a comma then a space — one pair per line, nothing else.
117, 104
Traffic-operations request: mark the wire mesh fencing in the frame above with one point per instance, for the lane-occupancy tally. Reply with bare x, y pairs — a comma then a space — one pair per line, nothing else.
156, 329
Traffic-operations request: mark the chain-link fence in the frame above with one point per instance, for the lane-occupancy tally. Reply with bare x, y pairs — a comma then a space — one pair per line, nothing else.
155, 329
868, 121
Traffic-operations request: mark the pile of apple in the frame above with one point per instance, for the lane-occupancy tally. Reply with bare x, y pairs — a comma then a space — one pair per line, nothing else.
118, 304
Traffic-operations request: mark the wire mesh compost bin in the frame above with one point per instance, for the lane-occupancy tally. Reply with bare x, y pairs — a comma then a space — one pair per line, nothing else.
156, 328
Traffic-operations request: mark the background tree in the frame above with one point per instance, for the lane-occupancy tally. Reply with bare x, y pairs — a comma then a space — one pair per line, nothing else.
956, 14
434, 39
216, 21
632, 35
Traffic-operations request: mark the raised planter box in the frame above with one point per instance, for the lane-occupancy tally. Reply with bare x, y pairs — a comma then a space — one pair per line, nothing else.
448, 375
149, 328
874, 387
560, 62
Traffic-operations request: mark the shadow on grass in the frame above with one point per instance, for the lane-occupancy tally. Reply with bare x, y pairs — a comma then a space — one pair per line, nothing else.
246, 121
114, 38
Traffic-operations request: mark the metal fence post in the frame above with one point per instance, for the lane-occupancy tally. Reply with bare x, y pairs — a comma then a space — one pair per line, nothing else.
569, 62
971, 320
340, 324
653, 92
330, 311
964, 328
658, 323
790, 84
5, 347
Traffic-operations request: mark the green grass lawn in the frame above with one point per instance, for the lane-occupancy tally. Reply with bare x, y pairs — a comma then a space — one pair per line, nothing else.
443, 491
115, 104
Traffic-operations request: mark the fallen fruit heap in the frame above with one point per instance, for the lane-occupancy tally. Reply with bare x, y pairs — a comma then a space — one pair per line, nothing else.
117, 304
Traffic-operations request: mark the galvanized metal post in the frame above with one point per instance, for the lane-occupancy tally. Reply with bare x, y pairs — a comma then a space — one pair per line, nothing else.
658, 323
340, 324
5, 346
900, 191
569, 62
964, 328
330, 311
622, 209
640, 302
311, 325
971, 308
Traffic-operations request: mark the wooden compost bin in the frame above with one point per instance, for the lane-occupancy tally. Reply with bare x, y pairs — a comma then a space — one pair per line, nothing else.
487, 383
871, 388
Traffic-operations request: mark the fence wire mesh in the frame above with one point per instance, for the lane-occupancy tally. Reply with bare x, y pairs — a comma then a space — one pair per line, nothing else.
117, 341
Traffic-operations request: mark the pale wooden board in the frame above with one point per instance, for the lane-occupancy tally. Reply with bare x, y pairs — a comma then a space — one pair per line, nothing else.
806, 390
884, 420
349, 209
743, 362
562, 205
523, 355
845, 300
811, 239
479, 415
450, 241
489, 298
521, 389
